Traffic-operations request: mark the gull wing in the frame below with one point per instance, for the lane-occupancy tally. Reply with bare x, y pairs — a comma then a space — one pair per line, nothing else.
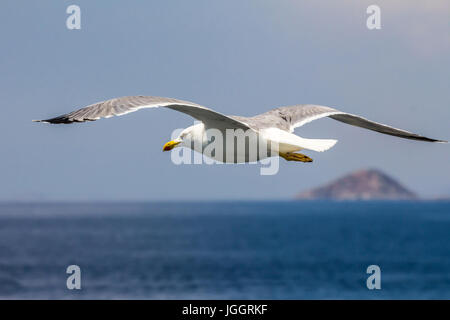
289, 118
123, 105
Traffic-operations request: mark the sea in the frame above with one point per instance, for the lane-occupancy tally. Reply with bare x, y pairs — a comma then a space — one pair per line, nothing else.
226, 250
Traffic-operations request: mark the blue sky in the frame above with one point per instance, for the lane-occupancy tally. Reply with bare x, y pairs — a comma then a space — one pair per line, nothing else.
237, 57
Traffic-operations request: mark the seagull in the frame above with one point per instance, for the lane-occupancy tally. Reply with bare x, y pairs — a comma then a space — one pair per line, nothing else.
274, 127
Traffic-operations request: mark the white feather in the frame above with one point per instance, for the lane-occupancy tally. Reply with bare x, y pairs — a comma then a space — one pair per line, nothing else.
289, 142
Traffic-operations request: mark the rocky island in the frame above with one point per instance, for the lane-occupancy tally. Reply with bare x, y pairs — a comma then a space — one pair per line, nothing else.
370, 184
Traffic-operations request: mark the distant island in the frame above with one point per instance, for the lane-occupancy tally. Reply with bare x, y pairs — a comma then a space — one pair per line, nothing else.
367, 184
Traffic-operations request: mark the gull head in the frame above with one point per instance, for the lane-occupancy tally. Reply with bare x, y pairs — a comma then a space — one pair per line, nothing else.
188, 135
172, 144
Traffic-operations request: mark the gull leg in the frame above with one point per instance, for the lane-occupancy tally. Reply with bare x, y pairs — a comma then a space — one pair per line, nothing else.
290, 156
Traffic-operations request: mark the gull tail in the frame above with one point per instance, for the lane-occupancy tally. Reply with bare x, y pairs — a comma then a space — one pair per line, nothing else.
318, 145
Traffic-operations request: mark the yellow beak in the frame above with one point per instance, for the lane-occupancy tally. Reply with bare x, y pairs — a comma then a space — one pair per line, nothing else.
170, 145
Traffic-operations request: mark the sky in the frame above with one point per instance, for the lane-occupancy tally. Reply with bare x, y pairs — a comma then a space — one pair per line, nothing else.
237, 57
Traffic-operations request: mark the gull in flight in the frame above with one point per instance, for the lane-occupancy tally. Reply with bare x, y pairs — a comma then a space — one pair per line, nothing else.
275, 126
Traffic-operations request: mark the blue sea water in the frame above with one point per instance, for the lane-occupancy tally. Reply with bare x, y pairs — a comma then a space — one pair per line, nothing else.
226, 250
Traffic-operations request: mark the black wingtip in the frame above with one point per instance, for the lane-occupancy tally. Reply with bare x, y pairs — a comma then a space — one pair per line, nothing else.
420, 138
42, 121
57, 120
432, 140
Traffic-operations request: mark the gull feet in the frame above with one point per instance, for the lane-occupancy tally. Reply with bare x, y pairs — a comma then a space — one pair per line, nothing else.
290, 156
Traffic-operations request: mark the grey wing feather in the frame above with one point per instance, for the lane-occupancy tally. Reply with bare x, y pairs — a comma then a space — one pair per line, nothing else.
289, 118
379, 127
124, 105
